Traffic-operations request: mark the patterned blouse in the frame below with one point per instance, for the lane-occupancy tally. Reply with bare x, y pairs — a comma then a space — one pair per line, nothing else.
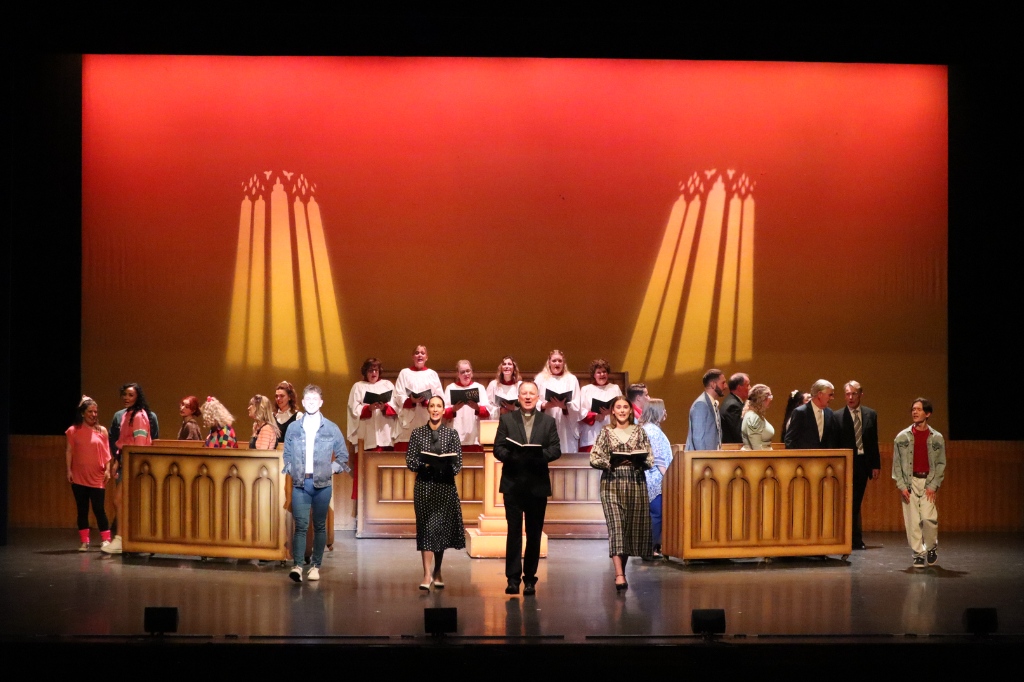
607, 442
222, 437
662, 451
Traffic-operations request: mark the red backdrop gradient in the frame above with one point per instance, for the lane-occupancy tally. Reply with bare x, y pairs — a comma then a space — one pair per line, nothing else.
488, 206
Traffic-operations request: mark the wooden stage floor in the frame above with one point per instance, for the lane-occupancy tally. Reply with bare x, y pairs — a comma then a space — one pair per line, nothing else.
54, 595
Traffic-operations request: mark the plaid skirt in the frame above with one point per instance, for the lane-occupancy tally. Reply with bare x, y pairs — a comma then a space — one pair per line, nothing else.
626, 511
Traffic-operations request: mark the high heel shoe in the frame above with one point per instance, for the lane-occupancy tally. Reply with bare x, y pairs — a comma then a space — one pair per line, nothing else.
619, 587
426, 586
438, 583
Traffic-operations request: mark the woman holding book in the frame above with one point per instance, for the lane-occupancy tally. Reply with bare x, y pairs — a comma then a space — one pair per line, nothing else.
466, 403
414, 386
623, 452
503, 391
372, 411
435, 454
560, 398
596, 403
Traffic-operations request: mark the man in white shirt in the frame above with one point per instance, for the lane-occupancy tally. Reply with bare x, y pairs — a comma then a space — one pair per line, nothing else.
812, 426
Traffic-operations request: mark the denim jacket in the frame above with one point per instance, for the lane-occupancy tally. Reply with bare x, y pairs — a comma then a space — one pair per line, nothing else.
903, 459
328, 441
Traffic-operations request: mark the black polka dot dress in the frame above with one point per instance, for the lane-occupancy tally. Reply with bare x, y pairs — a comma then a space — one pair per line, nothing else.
435, 497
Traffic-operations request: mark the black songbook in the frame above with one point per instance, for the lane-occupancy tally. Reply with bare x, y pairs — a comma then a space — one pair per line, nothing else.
373, 398
637, 459
549, 395
597, 405
509, 404
438, 460
528, 449
465, 395
422, 395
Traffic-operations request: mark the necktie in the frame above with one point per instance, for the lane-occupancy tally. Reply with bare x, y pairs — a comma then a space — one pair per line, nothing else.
820, 418
857, 427
718, 421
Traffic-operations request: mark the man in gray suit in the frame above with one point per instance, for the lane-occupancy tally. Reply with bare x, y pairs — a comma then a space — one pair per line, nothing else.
705, 421
527, 439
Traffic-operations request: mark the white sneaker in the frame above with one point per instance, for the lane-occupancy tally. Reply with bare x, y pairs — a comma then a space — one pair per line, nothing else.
104, 545
112, 547
84, 547
313, 573
296, 574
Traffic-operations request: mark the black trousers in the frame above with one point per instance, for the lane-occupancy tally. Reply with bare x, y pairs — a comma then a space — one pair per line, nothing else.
533, 508
83, 496
860, 485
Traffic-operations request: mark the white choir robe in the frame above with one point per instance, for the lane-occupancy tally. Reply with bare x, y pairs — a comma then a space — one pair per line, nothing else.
496, 391
415, 381
466, 422
375, 431
588, 433
568, 431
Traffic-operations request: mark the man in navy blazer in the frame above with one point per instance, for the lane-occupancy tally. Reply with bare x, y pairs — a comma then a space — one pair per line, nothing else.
805, 431
867, 461
525, 484
705, 421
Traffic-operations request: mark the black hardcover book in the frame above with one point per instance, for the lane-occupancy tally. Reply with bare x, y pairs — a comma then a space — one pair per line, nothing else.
422, 395
528, 449
372, 398
465, 395
549, 395
597, 405
509, 404
637, 459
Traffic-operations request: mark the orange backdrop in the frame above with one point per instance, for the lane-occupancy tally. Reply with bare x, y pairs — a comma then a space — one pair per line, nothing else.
493, 206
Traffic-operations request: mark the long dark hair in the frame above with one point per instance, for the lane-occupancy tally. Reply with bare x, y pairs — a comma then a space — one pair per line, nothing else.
140, 401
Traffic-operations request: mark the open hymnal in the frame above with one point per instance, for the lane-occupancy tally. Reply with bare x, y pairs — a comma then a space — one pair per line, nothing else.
636, 458
371, 398
597, 405
465, 395
508, 404
431, 458
422, 395
532, 448
552, 395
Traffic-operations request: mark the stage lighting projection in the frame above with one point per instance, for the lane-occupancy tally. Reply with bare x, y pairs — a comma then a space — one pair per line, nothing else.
706, 255
291, 273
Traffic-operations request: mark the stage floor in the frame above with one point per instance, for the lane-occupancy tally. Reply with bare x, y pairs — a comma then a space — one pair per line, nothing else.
369, 591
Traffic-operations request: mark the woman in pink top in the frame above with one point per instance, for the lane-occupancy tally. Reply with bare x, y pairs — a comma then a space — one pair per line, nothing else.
88, 457
134, 431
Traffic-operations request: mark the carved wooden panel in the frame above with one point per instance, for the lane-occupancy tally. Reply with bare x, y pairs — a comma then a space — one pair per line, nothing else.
204, 501
765, 503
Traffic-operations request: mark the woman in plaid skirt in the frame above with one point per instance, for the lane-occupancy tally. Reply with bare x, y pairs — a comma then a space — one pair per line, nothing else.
623, 452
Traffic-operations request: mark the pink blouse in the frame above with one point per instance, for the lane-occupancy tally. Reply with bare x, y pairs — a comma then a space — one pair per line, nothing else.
90, 453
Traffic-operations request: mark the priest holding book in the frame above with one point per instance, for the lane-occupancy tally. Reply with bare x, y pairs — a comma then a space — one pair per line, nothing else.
466, 403
526, 441
623, 452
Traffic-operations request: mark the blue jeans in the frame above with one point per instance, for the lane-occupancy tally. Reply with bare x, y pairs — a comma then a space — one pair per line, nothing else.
656, 520
319, 500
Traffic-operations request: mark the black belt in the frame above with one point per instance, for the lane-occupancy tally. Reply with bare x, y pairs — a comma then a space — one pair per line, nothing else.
920, 474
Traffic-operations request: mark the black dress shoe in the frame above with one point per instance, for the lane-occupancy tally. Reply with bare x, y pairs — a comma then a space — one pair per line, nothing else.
530, 587
513, 587
859, 545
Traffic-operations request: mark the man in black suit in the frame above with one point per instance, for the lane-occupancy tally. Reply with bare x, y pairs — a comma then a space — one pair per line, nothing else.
813, 426
526, 441
858, 430
732, 408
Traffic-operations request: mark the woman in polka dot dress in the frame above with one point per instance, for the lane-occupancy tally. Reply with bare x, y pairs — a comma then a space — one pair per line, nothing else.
435, 454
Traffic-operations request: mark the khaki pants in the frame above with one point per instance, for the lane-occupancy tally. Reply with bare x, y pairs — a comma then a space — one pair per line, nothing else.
921, 519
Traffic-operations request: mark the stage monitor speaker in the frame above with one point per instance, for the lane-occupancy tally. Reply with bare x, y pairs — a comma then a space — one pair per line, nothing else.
707, 622
439, 621
159, 620
980, 621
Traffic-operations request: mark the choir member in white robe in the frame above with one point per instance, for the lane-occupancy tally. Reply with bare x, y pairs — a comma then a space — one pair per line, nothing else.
505, 386
372, 422
465, 417
412, 412
556, 377
593, 420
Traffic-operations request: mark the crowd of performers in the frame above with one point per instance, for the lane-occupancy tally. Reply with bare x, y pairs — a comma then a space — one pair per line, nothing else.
538, 421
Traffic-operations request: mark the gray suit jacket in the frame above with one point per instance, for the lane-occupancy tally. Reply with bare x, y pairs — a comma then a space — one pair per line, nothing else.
705, 431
